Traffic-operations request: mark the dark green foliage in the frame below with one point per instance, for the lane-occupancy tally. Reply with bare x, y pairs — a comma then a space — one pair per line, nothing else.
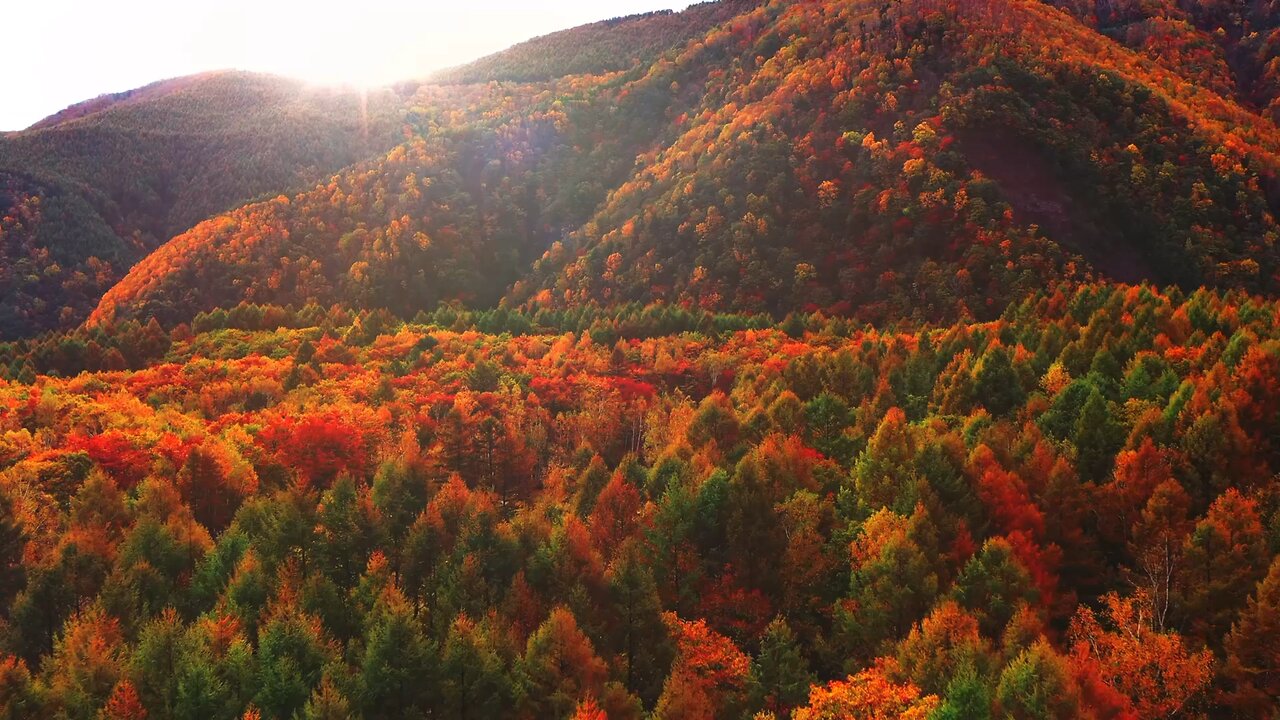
996, 384
12, 543
399, 665
474, 680
780, 674
291, 655
993, 584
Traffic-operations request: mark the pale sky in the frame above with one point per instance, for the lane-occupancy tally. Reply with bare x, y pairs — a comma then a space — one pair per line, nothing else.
60, 52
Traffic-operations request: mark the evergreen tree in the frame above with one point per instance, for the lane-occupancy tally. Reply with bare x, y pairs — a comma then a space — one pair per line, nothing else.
1037, 685
996, 384
291, 656
1097, 437
1253, 650
1224, 558
474, 683
345, 533
398, 669
560, 667
328, 703
993, 584
780, 674
635, 632
12, 543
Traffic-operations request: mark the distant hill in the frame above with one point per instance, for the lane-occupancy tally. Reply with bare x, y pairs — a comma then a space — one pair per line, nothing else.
109, 100
910, 160
56, 252
607, 46
151, 163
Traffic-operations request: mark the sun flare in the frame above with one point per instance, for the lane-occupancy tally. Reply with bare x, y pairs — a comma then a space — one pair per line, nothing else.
326, 49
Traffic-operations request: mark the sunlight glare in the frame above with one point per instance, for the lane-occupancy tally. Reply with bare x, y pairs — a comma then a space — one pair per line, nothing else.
110, 47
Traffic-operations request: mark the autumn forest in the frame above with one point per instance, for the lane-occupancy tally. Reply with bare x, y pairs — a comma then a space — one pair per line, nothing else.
811, 359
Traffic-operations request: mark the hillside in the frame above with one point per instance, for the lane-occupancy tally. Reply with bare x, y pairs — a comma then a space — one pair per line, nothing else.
57, 255
1232, 47
910, 161
916, 160
494, 175
153, 162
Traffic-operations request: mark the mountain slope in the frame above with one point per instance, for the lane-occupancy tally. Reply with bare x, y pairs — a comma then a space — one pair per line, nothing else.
861, 155
458, 213
915, 160
1232, 47
56, 252
154, 162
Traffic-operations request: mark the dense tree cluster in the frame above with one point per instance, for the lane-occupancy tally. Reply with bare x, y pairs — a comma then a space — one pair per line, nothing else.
57, 257
1063, 512
493, 175
1233, 48
929, 159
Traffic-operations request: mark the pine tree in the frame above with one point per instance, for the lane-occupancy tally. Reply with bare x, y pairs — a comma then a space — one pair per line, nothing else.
399, 663
560, 667
12, 543
1253, 650
635, 632
1097, 437
474, 682
344, 533
996, 384
884, 475
1225, 556
892, 585
1037, 685
780, 674
327, 703
292, 654
993, 584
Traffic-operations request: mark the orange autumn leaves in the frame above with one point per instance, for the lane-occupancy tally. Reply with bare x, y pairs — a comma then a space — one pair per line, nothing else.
657, 511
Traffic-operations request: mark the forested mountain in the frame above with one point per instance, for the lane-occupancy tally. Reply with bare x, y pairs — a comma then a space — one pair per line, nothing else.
852, 359
119, 175
495, 175
914, 159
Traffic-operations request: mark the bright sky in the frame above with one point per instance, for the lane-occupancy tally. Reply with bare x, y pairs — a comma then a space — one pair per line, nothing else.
65, 51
